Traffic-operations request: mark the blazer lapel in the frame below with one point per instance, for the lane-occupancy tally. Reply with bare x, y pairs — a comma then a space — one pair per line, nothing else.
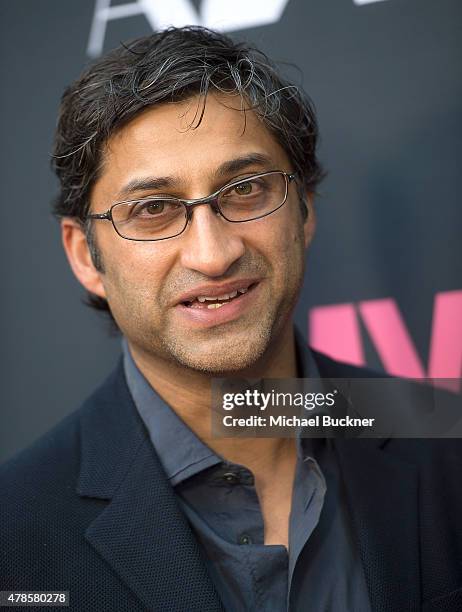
382, 494
141, 533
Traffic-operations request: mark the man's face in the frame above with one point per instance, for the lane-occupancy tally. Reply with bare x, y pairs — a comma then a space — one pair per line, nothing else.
148, 283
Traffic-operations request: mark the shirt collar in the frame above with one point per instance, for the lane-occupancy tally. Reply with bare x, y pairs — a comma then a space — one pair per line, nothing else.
181, 452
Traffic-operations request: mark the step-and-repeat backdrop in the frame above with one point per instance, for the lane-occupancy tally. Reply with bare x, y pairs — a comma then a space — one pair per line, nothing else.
384, 275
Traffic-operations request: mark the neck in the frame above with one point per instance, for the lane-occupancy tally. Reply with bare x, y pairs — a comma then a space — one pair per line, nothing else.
188, 393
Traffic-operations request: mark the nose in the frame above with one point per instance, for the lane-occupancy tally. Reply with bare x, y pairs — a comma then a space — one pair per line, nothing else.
210, 243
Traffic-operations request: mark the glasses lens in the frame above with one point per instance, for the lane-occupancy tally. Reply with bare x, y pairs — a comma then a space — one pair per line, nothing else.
252, 198
153, 219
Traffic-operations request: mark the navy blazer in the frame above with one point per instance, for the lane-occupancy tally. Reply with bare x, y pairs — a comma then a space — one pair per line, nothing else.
88, 509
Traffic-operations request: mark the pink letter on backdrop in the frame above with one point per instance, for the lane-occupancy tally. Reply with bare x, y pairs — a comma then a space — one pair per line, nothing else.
396, 348
445, 357
391, 338
334, 330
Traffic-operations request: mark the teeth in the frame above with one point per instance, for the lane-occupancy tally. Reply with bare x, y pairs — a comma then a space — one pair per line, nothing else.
225, 296
209, 306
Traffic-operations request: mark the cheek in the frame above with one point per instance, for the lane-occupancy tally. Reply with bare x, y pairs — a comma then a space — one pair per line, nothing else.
135, 272
288, 237
290, 246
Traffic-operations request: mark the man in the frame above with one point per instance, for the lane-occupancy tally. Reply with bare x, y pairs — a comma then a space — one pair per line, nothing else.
188, 168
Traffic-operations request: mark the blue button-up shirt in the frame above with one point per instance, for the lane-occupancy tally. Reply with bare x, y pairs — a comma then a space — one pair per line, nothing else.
320, 571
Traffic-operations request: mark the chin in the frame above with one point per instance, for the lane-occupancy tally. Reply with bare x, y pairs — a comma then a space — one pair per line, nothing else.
221, 355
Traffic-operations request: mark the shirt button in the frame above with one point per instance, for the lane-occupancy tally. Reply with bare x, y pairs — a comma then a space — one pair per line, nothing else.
245, 539
231, 477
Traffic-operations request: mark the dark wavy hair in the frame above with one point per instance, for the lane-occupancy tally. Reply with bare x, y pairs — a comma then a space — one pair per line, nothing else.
171, 66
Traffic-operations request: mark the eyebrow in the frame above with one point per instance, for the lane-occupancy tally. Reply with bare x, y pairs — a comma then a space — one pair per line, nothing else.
232, 166
241, 163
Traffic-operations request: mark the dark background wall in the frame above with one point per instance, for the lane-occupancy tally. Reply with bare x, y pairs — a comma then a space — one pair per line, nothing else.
385, 77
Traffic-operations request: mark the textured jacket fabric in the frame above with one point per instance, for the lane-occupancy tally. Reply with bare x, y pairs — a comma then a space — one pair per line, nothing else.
88, 509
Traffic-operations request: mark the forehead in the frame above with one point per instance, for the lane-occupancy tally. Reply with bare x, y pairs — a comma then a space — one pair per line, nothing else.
170, 140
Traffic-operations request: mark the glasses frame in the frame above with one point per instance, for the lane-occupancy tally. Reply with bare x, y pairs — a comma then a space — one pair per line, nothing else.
211, 200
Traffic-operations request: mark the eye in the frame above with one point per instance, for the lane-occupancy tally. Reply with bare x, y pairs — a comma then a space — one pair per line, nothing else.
153, 208
244, 188
148, 208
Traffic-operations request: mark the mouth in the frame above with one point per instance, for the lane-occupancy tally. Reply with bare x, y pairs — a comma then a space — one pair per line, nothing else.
214, 306
210, 302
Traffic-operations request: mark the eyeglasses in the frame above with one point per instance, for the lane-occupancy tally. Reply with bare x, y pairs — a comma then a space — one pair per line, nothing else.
160, 217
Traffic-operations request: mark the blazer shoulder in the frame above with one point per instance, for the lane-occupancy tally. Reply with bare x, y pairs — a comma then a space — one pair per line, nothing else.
52, 462
37, 488
52, 452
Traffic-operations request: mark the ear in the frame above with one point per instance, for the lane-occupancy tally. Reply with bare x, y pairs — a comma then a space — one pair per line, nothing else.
77, 251
309, 225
